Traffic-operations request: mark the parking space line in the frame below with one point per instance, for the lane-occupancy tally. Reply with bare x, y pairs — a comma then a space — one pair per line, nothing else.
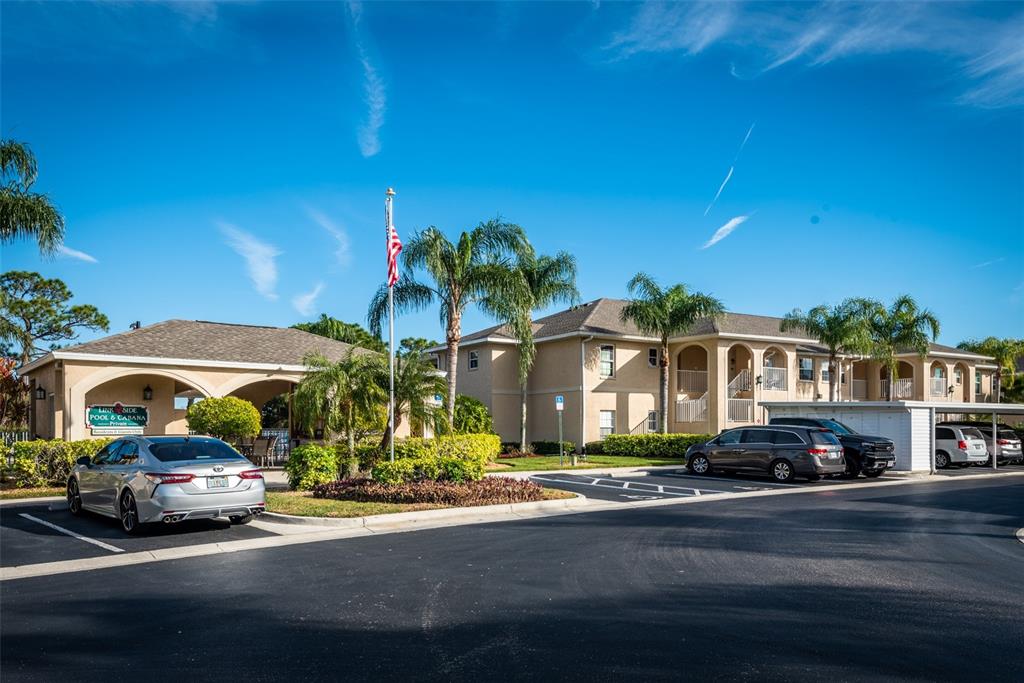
80, 537
769, 484
624, 487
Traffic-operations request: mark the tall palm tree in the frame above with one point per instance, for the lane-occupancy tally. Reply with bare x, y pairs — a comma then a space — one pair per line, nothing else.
24, 213
335, 394
417, 381
1004, 351
473, 270
844, 328
902, 327
545, 281
666, 313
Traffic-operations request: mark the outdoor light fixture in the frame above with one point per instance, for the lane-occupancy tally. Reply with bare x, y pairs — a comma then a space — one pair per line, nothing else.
760, 380
40, 394
950, 391
147, 393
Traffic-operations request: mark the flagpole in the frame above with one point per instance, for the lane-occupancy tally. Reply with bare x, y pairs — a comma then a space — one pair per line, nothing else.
391, 337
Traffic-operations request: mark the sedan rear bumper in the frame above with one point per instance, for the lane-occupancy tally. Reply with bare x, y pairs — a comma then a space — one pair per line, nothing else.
173, 504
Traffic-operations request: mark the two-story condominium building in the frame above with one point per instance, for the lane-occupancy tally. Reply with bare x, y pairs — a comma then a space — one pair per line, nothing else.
721, 371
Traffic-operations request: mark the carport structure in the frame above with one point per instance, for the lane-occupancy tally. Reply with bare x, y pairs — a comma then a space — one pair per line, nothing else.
909, 424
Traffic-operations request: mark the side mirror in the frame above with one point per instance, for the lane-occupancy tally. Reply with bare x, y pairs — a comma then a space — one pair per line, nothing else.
84, 460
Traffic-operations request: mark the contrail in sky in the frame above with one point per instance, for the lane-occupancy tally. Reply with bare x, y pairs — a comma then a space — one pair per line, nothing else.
731, 168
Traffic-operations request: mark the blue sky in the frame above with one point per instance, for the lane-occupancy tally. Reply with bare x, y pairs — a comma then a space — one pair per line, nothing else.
228, 161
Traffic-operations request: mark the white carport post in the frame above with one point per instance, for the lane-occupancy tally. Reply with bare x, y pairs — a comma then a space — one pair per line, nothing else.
995, 441
931, 445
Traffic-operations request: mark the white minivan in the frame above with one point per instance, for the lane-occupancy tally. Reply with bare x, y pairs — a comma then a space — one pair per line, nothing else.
961, 446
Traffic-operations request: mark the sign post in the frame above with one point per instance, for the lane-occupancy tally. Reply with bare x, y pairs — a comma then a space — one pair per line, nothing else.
560, 408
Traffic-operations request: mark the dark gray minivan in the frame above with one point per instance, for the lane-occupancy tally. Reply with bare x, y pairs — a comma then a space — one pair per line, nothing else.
783, 452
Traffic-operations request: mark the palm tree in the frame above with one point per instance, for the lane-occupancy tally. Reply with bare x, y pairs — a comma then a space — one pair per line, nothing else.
24, 213
900, 328
666, 313
1004, 351
545, 281
474, 270
843, 328
417, 381
335, 394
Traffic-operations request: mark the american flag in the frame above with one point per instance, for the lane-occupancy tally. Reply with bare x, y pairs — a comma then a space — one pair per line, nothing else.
394, 245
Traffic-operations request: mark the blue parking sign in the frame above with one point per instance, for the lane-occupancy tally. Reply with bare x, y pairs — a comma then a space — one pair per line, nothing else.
559, 402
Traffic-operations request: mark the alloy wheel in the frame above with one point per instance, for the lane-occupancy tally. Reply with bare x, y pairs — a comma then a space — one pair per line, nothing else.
941, 461
129, 513
700, 464
782, 471
74, 498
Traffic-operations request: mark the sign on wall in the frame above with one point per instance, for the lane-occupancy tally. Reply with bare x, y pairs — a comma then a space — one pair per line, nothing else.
116, 419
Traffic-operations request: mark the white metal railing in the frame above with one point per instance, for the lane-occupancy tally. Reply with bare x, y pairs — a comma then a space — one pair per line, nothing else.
774, 378
904, 389
692, 410
741, 409
938, 386
741, 382
692, 381
860, 389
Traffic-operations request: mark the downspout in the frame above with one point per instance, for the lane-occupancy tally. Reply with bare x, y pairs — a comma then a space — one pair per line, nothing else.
583, 393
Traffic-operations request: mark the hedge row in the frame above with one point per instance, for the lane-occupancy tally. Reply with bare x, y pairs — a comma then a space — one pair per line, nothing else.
46, 462
430, 468
490, 491
481, 448
538, 447
650, 445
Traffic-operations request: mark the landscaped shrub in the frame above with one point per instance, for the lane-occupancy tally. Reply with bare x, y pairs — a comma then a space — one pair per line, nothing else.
369, 454
482, 448
430, 468
42, 462
652, 445
229, 418
551, 447
595, 448
489, 491
309, 465
471, 416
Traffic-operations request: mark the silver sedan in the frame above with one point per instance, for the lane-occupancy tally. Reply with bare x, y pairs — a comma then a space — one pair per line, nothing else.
143, 479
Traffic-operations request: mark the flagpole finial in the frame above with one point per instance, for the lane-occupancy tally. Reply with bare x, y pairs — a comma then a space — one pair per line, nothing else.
390, 192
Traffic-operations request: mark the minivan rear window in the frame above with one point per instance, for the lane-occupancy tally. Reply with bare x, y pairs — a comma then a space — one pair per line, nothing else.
177, 451
824, 438
972, 432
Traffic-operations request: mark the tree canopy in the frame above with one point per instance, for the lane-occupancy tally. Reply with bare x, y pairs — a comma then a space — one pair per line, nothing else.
339, 330
23, 213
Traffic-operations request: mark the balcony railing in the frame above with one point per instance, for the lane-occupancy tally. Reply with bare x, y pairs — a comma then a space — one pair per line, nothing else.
860, 390
692, 381
692, 410
937, 386
904, 389
774, 378
741, 409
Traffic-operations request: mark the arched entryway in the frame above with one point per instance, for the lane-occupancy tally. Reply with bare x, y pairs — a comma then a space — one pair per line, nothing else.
904, 389
938, 383
691, 384
859, 380
739, 391
774, 369
272, 396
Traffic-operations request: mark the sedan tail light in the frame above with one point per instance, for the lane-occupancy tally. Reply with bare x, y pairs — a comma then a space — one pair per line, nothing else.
251, 474
1003, 442
961, 444
167, 478
817, 451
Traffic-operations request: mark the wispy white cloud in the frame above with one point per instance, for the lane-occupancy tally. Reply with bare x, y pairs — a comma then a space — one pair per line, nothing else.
305, 304
260, 258
985, 264
67, 252
375, 94
767, 36
343, 250
728, 176
726, 230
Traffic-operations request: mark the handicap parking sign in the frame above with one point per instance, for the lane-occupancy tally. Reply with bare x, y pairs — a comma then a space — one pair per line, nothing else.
559, 402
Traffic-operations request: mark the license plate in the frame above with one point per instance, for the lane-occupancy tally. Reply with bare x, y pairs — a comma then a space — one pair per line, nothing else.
216, 482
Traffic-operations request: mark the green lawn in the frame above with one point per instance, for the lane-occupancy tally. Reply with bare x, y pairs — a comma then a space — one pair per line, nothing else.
550, 462
41, 492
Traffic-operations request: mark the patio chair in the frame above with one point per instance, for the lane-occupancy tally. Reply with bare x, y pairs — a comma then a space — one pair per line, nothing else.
263, 451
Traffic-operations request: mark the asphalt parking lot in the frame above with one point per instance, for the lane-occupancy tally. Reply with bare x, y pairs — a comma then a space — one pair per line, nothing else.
37, 532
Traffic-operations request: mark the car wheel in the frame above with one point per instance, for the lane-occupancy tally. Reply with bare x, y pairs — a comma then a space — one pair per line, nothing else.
74, 497
128, 513
782, 471
873, 474
699, 464
241, 519
941, 460
853, 470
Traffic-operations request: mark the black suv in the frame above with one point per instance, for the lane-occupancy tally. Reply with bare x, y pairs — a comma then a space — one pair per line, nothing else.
870, 455
783, 452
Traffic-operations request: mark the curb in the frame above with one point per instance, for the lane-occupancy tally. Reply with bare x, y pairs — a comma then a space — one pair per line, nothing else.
476, 512
28, 501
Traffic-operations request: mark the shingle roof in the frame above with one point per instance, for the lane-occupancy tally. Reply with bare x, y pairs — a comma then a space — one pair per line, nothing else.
210, 341
942, 348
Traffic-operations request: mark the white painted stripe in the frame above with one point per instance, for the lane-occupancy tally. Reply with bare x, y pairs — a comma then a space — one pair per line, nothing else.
80, 537
733, 481
618, 487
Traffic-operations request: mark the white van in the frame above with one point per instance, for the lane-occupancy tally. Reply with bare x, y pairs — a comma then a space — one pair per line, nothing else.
955, 445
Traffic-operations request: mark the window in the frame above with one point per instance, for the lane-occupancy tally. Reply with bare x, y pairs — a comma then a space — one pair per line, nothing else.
607, 368
977, 383
730, 438
474, 360
944, 433
824, 438
756, 436
824, 372
607, 422
806, 366
652, 358
182, 448
958, 376
652, 420
786, 438
129, 453
104, 456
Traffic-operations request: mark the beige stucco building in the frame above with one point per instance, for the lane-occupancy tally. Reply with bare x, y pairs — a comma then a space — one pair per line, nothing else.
162, 368
721, 371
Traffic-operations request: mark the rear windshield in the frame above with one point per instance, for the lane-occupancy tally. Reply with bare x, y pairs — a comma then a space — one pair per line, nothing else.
836, 426
175, 451
1007, 434
972, 432
824, 438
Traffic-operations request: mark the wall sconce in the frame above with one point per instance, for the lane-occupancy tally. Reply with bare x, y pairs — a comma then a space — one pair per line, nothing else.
950, 390
40, 394
760, 380
147, 393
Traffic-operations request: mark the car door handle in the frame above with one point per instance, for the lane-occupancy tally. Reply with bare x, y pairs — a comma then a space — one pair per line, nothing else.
737, 451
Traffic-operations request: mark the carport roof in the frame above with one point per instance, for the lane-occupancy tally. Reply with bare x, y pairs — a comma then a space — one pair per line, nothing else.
210, 343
